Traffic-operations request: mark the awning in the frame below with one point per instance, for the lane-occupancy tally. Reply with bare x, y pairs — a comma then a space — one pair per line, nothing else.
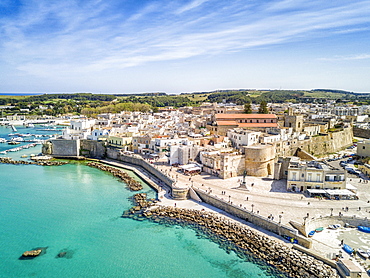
193, 169
340, 192
188, 166
316, 191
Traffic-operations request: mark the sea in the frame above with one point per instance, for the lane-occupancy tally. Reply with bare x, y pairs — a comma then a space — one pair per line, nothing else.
74, 213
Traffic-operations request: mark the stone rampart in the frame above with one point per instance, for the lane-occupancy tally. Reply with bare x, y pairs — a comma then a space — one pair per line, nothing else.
330, 143
361, 132
136, 160
254, 218
64, 148
92, 148
177, 193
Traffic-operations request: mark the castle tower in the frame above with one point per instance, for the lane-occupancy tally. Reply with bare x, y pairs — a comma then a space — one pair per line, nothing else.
259, 160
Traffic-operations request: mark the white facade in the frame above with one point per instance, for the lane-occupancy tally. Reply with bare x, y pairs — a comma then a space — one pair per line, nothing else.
97, 134
242, 137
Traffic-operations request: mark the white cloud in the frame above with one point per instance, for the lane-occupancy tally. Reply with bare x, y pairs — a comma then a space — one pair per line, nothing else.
347, 58
94, 37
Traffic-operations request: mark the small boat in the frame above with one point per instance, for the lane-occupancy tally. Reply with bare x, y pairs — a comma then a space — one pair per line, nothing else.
347, 225
318, 230
363, 253
364, 229
347, 249
334, 227
310, 234
13, 143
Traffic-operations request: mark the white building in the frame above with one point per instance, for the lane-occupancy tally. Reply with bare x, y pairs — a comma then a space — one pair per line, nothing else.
242, 137
79, 129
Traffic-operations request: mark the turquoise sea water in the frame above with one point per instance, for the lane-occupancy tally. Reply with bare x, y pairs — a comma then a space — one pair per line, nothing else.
76, 209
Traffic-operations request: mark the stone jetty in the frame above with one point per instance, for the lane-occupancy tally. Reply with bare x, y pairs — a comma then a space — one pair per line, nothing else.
132, 184
235, 237
8, 160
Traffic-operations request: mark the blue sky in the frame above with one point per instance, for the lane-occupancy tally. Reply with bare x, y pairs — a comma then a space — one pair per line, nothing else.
127, 46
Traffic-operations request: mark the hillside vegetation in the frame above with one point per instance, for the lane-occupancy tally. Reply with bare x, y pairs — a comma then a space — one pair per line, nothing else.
91, 104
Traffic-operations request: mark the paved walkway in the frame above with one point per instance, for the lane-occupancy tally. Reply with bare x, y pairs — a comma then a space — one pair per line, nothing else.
269, 197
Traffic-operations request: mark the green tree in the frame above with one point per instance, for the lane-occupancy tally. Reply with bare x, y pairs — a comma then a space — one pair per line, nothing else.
248, 108
263, 108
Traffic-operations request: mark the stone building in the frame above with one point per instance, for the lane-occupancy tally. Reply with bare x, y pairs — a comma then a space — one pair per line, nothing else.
241, 137
303, 176
223, 122
363, 148
259, 160
294, 121
231, 165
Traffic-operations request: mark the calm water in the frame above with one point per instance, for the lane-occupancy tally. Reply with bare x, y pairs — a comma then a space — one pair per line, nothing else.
76, 209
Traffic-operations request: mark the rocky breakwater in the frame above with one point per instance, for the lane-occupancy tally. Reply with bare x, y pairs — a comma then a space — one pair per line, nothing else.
132, 184
235, 237
8, 160
140, 209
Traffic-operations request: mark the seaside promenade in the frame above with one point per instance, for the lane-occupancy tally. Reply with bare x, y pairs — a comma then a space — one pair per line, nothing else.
269, 198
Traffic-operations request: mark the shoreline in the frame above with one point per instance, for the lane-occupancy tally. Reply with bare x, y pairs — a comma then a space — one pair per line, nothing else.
201, 206
233, 236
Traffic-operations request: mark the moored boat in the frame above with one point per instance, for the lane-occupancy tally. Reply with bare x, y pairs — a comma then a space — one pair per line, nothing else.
363, 253
318, 230
348, 249
364, 229
310, 234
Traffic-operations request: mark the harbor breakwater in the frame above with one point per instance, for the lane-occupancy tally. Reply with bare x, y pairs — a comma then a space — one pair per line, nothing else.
233, 236
8, 160
132, 184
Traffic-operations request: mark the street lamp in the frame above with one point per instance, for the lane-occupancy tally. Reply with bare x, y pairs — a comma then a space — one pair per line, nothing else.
252, 207
280, 216
229, 198
304, 220
331, 214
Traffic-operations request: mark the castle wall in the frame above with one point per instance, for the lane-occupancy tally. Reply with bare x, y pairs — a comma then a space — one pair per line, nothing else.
330, 143
360, 132
259, 160
91, 148
62, 148
254, 218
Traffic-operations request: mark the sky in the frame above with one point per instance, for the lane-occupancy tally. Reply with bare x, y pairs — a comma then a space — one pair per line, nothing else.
176, 46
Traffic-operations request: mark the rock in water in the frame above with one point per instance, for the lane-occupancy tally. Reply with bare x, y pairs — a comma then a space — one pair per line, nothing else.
32, 253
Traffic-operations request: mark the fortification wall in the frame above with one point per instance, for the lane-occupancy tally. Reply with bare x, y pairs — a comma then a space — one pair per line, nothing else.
360, 132
63, 148
254, 218
136, 160
92, 148
330, 143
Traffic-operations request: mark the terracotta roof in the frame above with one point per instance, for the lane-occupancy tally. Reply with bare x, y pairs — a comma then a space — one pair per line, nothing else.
227, 123
233, 123
245, 116
258, 125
